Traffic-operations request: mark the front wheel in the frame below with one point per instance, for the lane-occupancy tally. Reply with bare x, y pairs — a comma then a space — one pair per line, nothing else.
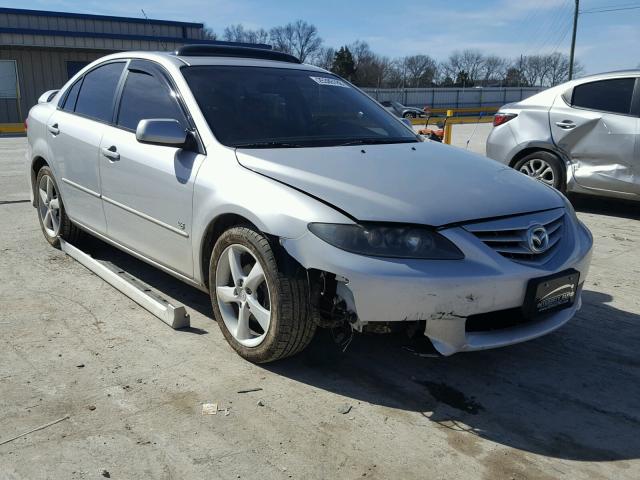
262, 308
544, 167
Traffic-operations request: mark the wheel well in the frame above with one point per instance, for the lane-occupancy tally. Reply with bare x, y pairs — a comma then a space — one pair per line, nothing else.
527, 151
530, 150
36, 165
217, 226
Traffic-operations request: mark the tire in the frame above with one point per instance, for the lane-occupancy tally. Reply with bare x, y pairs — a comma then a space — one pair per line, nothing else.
57, 225
545, 167
409, 115
286, 297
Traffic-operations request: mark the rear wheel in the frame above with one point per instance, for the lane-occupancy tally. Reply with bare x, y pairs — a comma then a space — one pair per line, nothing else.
51, 213
544, 167
262, 308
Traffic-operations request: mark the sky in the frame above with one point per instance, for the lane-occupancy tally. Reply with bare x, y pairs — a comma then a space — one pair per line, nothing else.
605, 41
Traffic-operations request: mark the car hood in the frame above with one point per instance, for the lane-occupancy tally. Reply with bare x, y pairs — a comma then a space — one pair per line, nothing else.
423, 183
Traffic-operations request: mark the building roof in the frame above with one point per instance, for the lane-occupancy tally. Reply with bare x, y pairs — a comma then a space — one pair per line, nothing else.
88, 16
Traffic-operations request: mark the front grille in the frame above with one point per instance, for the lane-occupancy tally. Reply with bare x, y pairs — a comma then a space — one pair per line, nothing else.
508, 236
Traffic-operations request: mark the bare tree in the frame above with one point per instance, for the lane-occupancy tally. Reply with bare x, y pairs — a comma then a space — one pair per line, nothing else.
324, 58
208, 33
558, 70
370, 70
421, 70
468, 64
298, 38
494, 69
237, 33
532, 69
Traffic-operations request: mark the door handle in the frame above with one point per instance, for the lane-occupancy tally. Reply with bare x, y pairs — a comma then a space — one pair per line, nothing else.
53, 129
566, 124
111, 153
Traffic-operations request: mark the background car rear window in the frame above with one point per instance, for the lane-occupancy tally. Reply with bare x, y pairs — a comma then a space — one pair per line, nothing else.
605, 95
98, 89
145, 96
72, 97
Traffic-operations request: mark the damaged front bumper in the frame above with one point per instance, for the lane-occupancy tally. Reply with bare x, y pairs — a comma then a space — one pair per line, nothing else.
444, 293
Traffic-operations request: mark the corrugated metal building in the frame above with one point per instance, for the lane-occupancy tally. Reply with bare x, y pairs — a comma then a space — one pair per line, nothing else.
46, 48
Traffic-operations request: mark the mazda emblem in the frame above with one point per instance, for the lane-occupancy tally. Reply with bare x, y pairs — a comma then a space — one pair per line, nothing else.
537, 239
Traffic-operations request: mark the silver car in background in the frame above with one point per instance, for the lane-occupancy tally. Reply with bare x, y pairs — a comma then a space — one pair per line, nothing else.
298, 202
582, 136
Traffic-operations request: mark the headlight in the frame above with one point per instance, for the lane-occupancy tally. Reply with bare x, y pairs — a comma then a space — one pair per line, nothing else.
388, 241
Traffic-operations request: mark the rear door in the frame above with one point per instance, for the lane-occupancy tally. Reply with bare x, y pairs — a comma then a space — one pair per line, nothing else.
75, 131
596, 126
148, 189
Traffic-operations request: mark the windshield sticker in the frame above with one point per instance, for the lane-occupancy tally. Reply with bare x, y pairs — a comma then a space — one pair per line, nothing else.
333, 82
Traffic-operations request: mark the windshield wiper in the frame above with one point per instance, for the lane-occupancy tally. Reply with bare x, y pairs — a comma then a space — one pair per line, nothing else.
376, 141
269, 144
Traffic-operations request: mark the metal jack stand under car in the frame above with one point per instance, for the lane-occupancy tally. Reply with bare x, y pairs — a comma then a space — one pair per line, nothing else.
175, 316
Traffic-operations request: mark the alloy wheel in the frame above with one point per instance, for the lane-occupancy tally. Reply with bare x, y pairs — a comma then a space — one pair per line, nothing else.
540, 170
49, 206
242, 293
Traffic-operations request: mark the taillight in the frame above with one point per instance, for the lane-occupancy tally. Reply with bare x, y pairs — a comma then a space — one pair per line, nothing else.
501, 118
25, 124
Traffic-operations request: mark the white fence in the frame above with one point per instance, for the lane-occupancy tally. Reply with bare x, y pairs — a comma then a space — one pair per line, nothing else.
453, 97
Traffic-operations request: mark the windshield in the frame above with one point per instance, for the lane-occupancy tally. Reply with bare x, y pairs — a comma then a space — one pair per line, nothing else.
257, 107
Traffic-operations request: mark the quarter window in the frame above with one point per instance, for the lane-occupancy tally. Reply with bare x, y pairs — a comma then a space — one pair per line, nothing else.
70, 102
606, 95
145, 96
98, 90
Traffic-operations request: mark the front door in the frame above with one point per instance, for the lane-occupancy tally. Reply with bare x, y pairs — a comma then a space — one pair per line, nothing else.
599, 132
147, 190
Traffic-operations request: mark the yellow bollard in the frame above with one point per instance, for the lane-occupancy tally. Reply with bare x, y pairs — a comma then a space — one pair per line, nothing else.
447, 128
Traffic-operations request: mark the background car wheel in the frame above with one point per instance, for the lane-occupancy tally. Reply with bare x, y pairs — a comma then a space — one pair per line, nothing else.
261, 307
409, 115
545, 167
51, 213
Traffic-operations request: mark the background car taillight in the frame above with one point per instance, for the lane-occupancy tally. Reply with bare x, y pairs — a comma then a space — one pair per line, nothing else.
501, 118
25, 124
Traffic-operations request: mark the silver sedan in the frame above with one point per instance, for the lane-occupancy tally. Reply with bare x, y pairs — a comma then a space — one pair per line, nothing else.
582, 136
298, 202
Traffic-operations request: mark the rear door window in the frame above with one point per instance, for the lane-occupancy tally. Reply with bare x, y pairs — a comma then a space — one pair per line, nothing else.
144, 96
612, 96
98, 90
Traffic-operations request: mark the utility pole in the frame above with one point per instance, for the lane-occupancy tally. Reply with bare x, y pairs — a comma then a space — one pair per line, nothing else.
573, 38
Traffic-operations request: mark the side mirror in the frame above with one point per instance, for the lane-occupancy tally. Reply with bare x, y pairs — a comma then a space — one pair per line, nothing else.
161, 131
407, 122
47, 96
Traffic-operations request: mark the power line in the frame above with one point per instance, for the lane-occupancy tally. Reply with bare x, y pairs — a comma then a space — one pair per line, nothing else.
545, 29
565, 31
603, 10
558, 27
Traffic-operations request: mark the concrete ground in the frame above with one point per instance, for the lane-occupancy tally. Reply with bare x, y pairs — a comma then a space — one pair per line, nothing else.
129, 390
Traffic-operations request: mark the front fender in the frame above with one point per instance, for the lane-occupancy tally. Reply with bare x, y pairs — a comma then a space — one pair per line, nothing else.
224, 187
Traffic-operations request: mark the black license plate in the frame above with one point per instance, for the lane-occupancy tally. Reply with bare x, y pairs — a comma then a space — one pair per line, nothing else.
552, 293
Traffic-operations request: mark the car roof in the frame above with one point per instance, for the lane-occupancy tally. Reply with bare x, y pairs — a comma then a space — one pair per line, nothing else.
612, 74
169, 58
